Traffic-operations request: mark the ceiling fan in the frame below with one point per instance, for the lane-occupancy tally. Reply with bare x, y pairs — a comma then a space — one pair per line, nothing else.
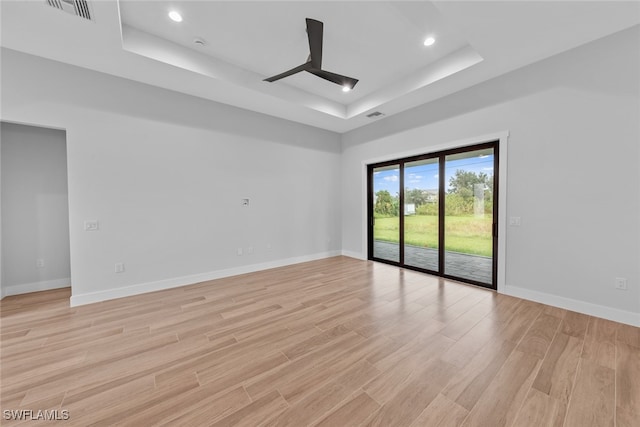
314, 61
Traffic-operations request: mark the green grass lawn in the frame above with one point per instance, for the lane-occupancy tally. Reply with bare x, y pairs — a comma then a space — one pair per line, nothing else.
464, 234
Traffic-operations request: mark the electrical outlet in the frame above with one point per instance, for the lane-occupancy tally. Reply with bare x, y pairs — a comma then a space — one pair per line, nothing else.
621, 283
119, 267
514, 221
249, 250
40, 263
91, 225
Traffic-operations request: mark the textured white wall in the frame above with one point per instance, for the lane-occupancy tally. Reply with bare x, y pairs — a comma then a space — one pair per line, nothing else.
573, 170
164, 173
35, 214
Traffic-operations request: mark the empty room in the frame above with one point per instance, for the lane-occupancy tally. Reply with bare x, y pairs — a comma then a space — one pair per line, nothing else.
320, 213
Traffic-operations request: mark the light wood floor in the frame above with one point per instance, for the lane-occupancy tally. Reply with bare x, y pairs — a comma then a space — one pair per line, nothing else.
338, 342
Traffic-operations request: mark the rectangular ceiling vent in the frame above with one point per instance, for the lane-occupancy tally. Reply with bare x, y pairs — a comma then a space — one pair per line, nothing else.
375, 114
75, 7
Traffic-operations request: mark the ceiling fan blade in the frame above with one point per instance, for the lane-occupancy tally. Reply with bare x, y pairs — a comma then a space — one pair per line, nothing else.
292, 71
335, 78
315, 33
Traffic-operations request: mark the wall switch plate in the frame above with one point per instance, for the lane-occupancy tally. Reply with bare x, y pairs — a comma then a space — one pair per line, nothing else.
514, 221
239, 252
40, 263
91, 225
119, 267
250, 250
621, 283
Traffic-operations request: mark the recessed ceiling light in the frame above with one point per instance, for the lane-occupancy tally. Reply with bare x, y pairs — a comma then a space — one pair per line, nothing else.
175, 16
429, 41
346, 88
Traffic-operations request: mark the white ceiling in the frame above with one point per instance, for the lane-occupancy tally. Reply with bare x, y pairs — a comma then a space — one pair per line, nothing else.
378, 42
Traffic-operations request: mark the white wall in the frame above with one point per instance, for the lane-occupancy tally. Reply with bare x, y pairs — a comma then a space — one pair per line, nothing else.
573, 171
35, 214
164, 173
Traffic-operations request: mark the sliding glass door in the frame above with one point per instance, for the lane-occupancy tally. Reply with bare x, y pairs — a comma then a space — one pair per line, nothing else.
437, 213
468, 215
421, 186
385, 192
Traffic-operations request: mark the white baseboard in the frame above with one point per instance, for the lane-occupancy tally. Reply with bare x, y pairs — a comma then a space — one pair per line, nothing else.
356, 255
617, 315
175, 282
45, 285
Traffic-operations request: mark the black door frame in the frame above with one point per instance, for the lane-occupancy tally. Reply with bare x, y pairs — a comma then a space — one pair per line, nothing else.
441, 156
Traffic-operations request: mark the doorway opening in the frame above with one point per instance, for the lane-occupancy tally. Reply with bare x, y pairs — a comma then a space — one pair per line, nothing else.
35, 249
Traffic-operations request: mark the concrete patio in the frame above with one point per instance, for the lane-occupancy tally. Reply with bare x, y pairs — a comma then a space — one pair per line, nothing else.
472, 267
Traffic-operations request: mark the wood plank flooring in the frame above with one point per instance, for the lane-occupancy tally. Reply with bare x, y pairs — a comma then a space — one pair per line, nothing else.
337, 342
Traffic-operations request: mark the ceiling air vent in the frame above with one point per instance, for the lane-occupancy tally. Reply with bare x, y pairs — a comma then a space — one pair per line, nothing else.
375, 115
75, 7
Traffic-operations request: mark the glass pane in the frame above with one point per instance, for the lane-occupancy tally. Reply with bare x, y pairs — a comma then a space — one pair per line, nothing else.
421, 214
386, 227
468, 234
